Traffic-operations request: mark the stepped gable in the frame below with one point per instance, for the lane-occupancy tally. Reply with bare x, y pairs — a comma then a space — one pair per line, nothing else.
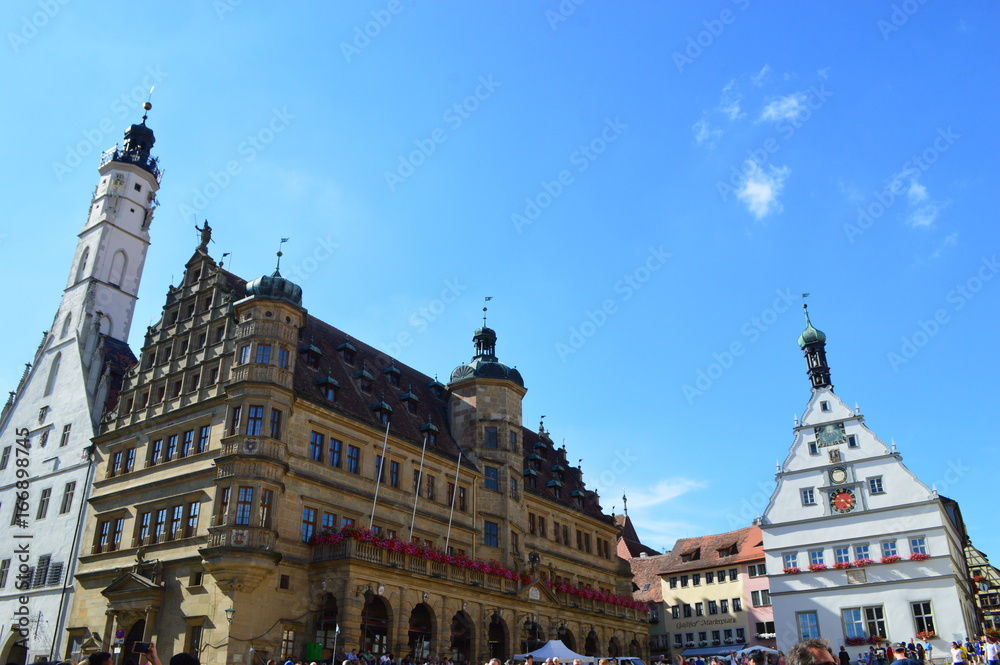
749, 544
572, 480
120, 358
431, 405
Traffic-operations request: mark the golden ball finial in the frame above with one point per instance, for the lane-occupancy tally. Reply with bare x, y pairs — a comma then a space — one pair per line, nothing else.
147, 106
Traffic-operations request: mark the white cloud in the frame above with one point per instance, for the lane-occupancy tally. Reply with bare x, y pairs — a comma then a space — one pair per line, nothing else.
663, 491
925, 216
823, 73
949, 240
730, 102
760, 189
761, 76
917, 192
705, 133
784, 108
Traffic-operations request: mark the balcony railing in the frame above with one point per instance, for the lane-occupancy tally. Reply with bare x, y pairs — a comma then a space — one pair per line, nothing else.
249, 537
252, 446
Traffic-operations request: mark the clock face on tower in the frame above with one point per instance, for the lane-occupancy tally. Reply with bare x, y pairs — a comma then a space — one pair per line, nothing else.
843, 501
838, 475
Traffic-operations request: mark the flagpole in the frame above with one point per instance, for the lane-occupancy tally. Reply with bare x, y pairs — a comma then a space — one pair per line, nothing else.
420, 479
451, 513
378, 475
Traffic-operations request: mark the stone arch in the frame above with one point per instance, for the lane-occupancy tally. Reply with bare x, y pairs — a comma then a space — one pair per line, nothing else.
591, 645
614, 648
376, 624
463, 637
13, 649
420, 632
119, 263
67, 322
327, 620
134, 635
498, 638
534, 636
634, 648
566, 635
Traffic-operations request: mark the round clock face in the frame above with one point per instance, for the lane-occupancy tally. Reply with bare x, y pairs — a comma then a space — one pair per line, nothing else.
843, 501
838, 475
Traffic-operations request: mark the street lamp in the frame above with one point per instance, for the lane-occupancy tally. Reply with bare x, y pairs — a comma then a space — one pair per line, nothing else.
229, 614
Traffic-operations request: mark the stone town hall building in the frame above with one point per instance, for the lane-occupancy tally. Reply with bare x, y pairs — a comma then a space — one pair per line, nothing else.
235, 484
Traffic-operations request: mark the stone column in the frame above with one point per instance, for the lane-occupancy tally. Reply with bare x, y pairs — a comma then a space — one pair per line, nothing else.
147, 633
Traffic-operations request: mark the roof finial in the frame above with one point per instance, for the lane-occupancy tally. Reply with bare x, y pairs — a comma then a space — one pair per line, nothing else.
487, 299
146, 104
624, 502
277, 266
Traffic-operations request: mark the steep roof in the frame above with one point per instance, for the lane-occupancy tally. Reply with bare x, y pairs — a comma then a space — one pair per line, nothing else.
629, 545
646, 571
713, 551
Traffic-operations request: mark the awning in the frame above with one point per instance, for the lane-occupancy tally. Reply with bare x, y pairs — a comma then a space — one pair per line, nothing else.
722, 650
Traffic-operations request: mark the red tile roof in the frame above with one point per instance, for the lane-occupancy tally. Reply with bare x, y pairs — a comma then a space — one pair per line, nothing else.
709, 550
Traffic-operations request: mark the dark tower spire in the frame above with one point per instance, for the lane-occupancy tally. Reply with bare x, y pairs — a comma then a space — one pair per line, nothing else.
813, 344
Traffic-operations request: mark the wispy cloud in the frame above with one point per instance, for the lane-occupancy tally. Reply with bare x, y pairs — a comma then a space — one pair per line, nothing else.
917, 192
823, 73
663, 491
705, 133
925, 216
760, 189
730, 102
761, 77
784, 108
949, 240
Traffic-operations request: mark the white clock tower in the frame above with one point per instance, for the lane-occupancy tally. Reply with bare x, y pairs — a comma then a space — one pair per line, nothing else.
48, 421
857, 547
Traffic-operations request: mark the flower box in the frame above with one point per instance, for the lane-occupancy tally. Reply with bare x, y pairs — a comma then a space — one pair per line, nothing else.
892, 558
843, 565
816, 567
703, 643
855, 641
790, 571
925, 635
919, 556
861, 563
876, 639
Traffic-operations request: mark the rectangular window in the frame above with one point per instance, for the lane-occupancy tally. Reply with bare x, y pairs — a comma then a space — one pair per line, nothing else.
244, 505
155, 452
813, 448
790, 560
702, 636
724, 605
283, 358
918, 545
143, 532
923, 619
491, 480
203, 438
353, 459
808, 625
541, 527
491, 534
889, 548
816, 557
462, 503
738, 604
316, 447
275, 424
808, 497
43, 503
255, 419
716, 637
223, 516
531, 523
875, 485
713, 607
394, 474
710, 577
333, 454
176, 521
490, 437
675, 612
266, 501
728, 635
678, 637
760, 598
733, 574
854, 625
699, 609
191, 529
842, 554
171, 448
64, 441
329, 522
862, 552
852, 441
687, 610
263, 354
187, 443
4, 571
67, 498
741, 635
875, 621
673, 582
379, 473
244, 354
684, 581
722, 576
116, 464
160, 526
234, 420
308, 523
696, 579
4, 458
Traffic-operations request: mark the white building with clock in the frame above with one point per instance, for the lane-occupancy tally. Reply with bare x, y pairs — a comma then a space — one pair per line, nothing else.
858, 548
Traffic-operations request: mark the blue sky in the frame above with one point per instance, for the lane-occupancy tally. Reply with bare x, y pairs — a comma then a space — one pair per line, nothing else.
645, 189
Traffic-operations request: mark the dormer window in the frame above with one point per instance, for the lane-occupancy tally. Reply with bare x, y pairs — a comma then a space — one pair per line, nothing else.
312, 355
347, 352
364, 379
410, 400
578, 497
328, 388
558, 472
431, 432
728, 551
436, 387
382, 412
693, 555
393, 373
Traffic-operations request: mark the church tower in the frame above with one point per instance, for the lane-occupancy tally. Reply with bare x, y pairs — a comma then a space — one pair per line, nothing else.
54, 412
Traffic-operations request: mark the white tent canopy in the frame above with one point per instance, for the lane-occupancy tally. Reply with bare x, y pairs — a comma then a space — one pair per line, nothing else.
554, 649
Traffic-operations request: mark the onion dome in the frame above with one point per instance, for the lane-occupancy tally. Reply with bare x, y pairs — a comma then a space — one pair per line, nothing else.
484, 364
275, 287
810, 335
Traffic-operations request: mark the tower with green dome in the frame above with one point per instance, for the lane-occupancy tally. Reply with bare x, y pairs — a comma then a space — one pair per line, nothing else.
813, 344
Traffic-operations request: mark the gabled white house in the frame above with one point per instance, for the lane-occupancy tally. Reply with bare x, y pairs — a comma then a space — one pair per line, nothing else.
48, 422
858, 548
